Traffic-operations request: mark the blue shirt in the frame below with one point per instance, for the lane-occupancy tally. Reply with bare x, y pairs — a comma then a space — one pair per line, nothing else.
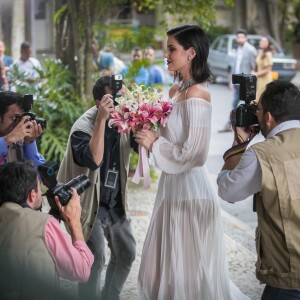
104, 61
30, 152
141, 78
7, 60
156, 75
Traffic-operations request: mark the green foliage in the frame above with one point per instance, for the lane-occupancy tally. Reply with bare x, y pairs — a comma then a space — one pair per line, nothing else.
57, 102
20, 84
216, 31
125, 38
201, 12
296, 23
60, 105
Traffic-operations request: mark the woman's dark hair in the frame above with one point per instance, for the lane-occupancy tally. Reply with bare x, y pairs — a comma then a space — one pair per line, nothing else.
17, 179
268, 49
192, 36
282, 100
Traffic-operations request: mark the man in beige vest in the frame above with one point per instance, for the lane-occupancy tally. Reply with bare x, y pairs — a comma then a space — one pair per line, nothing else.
34, 251
102, 154
270, 171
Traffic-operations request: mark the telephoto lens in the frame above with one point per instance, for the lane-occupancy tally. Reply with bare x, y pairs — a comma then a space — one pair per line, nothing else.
64, 192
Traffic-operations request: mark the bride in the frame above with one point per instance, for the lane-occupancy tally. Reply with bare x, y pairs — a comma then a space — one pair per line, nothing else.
183, 256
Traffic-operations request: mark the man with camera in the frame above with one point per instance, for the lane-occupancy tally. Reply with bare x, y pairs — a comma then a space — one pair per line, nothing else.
34, 251
100, 152
270, 171
18, 132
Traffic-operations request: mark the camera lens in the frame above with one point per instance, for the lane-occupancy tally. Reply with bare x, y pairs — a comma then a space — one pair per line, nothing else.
64, 192
80, 183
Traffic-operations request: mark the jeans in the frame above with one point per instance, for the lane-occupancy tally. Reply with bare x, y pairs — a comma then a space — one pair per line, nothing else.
122, 246
272, 293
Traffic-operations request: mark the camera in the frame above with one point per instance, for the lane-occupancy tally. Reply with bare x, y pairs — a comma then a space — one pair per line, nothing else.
116, 82
47, 172
245, 114
26, 106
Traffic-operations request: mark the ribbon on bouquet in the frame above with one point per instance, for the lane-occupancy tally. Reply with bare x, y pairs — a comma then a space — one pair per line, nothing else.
142, 169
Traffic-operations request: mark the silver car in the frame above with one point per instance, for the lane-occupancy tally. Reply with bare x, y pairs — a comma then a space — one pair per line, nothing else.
223, 50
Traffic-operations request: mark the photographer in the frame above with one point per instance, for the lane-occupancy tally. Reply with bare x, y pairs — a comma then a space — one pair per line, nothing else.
101, 153
34, 251
17, 133
270, 171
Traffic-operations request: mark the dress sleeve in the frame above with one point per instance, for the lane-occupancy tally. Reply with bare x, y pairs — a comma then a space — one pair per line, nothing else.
174, 158
73, 261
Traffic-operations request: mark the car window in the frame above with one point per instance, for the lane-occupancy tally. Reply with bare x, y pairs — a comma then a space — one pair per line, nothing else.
215, 44
223, 45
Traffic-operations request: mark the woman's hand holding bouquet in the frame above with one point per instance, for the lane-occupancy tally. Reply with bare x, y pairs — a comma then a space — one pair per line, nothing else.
141, 110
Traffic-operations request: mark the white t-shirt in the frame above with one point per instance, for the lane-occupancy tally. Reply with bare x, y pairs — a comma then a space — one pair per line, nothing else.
28, 68
239, 56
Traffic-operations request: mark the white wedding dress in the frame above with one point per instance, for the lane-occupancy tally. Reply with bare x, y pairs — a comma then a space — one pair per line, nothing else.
183, 255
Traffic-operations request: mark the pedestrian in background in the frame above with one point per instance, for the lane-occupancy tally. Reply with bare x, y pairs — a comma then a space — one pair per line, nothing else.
136, 71
5, 59
103, 61
118, 63
5, 62
244, 63
270, 171
264, 63
156, 73
26, 65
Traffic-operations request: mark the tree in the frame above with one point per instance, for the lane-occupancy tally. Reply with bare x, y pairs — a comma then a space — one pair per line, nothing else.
201, 12
76, 19
270, 17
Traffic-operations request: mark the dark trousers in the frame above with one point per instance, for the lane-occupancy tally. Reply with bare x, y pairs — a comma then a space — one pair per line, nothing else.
272, 293
122, 246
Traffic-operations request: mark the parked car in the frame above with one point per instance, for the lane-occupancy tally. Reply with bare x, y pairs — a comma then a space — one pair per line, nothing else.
223, 50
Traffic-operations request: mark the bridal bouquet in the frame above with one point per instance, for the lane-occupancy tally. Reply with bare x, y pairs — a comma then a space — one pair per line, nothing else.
140, 108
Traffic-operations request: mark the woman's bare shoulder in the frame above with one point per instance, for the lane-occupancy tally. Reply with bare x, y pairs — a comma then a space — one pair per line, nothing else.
198, 91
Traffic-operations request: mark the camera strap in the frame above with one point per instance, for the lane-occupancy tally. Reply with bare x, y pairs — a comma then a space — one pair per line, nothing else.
238, 149
241, 147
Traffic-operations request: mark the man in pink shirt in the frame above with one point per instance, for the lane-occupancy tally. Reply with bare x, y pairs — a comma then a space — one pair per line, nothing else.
34, 251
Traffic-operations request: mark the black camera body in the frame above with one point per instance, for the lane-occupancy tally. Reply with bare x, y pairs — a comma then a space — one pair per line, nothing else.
26, 106
245, 114
116, 82
47, 173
